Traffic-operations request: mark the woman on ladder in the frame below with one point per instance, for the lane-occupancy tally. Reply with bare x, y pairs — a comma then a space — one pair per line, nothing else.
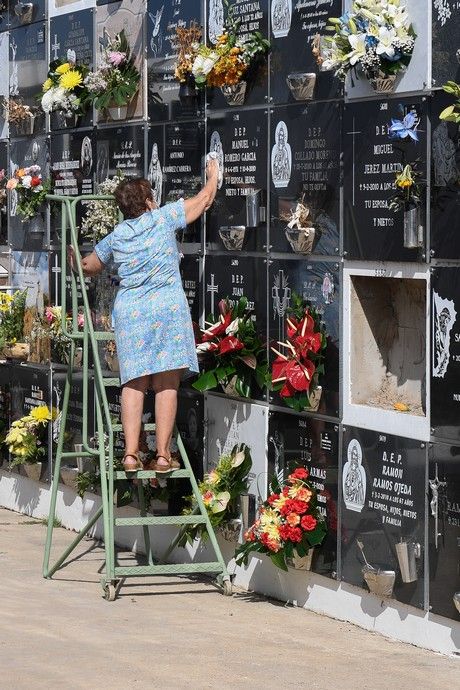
153, 328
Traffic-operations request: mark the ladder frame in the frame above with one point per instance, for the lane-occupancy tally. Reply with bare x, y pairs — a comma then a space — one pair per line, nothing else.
104, 452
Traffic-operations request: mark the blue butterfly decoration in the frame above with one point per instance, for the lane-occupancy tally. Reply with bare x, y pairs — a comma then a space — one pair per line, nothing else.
407, 127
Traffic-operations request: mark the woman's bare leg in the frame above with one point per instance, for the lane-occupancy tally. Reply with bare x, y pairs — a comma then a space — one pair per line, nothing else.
132, 406
165, 384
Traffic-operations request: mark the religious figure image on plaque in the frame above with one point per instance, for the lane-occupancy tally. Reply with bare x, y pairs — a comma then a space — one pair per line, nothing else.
216, 147
444, 318
156, 37
444, 157
14, 78
215, 20
281, 161
155, 175
328, 288
281, 17
86, 157
354, 478
102, 165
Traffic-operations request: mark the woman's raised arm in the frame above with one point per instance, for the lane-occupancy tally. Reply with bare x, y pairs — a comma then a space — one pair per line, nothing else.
197, 205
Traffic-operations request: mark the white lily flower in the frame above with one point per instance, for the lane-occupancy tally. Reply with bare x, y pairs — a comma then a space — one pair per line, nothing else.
358, 43
26, 180
385, 44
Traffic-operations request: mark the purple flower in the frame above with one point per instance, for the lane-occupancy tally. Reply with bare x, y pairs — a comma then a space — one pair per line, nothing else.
116, 58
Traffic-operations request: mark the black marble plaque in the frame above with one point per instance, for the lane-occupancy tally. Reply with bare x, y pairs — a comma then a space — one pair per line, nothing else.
305, 165
20, 14
166, 99
293, 26
294, 440
28, 69
445, 27
445, 181
27, 235
75, 411
190, 423
383, 503
372, 158
4, 207
72, 37
120, 149
4, 17
5, 407
182, 170
237, 219
190, 273
445, 365
319, 283
444, 528
30, 270
252, 16
55, 283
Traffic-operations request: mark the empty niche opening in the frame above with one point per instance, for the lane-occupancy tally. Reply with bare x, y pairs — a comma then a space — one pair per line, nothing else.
388, 343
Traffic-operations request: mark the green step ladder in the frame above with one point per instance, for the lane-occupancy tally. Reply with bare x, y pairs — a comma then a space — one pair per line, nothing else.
104, 450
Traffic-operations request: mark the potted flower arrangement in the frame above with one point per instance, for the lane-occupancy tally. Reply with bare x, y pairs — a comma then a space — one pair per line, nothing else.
64, 90
114, 84
375, 38
60, 343
12, 311
19, 116
221, 490
101, 215
234, 355
27, 439
289, 524
227, 64
300, 231
408, 199
30, 190
296, 370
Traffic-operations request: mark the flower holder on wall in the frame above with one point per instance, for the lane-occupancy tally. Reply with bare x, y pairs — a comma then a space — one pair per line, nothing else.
413, 229
233, 237
301, 239
301, 85
235, 94
24, 11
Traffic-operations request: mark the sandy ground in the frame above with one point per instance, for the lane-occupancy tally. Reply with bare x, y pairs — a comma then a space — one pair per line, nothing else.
177, 633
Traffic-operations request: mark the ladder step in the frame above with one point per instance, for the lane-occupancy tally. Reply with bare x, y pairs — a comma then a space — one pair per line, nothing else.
168, 569
150, 474
146, 427
110, 381
160, 520
104, 335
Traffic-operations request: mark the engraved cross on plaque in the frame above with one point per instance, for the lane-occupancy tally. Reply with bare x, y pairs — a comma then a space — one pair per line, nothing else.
55, 47
56, 269
212, 288
354, 133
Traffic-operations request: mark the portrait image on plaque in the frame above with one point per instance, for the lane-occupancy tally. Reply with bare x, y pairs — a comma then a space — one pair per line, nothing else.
127, 16
24, 13
380, 138
444, 528
72, 38
31, 235
319, 283
120, 151
28, 68
167, 99
445, 352
237, 219
305, 172
294, 73
445, 27
383, 489
251, 17
312, 443
445, 180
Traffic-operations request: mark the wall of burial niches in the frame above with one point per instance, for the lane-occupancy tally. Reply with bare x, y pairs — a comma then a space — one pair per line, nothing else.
388, 478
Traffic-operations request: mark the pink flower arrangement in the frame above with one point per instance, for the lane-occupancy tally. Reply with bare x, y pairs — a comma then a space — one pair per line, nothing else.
115, 57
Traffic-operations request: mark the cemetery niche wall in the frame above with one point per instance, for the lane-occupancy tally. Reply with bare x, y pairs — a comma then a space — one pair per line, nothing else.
382, 444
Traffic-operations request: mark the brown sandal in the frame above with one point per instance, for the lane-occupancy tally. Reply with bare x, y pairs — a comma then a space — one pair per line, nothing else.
131, 469
161, 469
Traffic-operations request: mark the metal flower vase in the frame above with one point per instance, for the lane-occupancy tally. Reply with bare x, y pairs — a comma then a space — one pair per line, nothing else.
384, 85
301, 239
35, 225
233, 237
118, 112
188, 92
301, 562
456, 600
379, 581
301, 85
235, 94
24, 11
413, 229
33, 470
407, 552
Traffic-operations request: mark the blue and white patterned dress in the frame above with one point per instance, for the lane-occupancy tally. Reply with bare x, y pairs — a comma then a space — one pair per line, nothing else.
153, 327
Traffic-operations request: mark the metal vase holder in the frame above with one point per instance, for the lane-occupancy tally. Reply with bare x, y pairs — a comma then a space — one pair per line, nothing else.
413, 229
301, 562
301, 85
380, 582
408, 552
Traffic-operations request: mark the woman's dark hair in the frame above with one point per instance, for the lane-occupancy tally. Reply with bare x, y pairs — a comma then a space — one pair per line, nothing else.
131, 196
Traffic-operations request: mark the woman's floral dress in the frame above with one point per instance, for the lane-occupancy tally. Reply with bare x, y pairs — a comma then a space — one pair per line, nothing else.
153, 327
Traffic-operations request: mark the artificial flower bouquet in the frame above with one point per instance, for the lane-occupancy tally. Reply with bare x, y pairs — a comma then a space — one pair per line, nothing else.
289, 522
60, 343
220, 490
226, 63
375, 37
101, 215
116, 80
296, 370
31, 190
234, 355
64, 88
26, 439
12, 312
408, 188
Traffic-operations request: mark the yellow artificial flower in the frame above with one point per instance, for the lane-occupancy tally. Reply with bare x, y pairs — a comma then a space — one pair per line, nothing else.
47, 85
404, 178
70, 80
41, 414
65, 67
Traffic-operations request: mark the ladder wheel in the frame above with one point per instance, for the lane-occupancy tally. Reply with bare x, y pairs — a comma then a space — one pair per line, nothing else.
227, 589
110, 592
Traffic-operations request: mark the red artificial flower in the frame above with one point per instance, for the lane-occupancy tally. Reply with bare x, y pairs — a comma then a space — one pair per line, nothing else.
299, 473
285, 491
269, 542
293, 519
287, 391
308, 523
299, 376
249, 535
293, 505
284, 532
295, 534
311, 342
35, 181
272, 498
279, 369
218, 328
229, 344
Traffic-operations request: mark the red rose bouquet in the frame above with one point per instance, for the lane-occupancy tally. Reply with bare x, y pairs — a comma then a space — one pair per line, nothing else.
30, 189
296, 370
289, 522
234, 356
